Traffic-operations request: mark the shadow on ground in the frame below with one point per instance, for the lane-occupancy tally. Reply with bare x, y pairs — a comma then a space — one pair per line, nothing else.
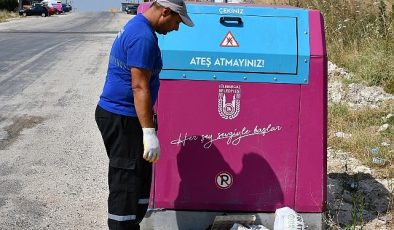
356, 199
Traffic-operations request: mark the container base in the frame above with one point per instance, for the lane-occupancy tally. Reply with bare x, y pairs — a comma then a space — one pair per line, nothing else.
200, 220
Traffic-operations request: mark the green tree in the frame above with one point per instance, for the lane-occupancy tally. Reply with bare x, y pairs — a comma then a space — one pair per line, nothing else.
8, 4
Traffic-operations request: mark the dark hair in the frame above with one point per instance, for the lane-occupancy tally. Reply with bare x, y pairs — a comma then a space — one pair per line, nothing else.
173, 12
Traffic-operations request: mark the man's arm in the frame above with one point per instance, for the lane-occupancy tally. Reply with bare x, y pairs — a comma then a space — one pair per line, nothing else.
142, 97
143, 107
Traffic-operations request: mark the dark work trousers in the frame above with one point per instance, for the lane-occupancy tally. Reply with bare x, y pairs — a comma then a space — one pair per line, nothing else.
129, 175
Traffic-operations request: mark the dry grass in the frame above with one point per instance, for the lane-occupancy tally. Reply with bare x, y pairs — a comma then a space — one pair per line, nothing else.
365, 140
359, 34
4, 15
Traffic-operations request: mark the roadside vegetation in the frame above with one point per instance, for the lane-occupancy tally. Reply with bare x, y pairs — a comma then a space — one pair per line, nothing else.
359, 35
360, 38
5, 14
366, 132
7, 9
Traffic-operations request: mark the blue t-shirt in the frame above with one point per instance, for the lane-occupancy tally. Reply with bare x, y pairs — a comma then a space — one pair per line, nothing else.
136, 45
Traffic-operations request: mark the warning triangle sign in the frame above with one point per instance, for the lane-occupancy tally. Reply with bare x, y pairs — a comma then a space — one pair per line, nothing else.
229, 41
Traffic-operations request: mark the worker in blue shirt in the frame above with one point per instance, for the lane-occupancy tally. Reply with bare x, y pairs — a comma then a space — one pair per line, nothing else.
124, 113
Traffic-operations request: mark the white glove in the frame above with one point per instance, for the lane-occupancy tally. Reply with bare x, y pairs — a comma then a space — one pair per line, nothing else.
151, 145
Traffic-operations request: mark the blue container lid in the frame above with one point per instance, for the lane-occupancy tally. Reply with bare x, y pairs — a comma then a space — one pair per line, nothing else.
239, 43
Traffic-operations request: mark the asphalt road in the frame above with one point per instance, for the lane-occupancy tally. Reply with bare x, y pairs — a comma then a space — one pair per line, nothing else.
52, 161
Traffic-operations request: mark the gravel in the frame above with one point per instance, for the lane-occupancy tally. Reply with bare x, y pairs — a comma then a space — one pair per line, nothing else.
53, 166
355, 95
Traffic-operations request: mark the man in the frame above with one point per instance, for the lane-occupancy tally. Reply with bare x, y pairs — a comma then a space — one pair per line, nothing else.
124, 112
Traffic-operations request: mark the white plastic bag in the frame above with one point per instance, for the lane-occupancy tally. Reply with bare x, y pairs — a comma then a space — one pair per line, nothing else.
287, 219
237, 226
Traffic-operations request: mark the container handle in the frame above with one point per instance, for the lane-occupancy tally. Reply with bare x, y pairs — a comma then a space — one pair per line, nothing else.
231, 19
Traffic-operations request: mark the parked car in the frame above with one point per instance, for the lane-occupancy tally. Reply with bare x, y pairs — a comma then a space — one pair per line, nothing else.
57, 6
131, 9
66, 8
35, 10
51, 10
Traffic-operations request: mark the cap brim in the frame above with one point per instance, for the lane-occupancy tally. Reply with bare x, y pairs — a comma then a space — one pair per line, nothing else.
186, 20
179, 9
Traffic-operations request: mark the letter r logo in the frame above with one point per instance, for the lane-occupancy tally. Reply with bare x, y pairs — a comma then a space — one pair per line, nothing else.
224, 180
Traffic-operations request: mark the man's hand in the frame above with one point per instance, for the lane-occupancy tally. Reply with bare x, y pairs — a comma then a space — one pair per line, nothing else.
151, 145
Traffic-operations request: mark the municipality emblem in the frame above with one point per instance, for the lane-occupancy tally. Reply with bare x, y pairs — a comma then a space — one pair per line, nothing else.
229, 101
